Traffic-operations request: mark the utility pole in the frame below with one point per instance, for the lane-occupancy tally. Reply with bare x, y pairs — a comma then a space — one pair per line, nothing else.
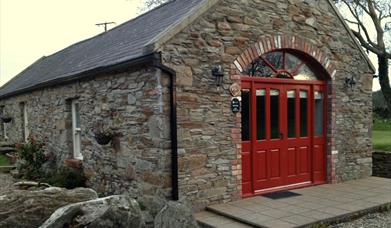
105, 24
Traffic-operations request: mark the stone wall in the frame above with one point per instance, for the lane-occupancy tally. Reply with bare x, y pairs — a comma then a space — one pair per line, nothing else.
134, 102
381, 164
208, 132
209, 147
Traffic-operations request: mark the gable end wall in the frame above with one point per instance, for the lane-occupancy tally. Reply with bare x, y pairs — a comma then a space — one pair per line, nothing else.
209, 133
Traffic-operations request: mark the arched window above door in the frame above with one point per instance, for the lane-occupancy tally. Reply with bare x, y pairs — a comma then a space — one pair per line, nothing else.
280, 64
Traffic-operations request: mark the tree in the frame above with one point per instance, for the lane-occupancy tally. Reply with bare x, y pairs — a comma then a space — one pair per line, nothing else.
362, 17
150, 4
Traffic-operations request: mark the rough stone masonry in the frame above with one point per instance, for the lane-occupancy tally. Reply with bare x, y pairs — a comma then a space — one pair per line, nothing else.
208, 132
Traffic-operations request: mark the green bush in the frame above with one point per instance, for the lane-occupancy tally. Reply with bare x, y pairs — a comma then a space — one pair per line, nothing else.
31, 156
67, 177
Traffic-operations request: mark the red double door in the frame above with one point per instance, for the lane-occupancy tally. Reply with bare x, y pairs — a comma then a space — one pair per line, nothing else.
283, 136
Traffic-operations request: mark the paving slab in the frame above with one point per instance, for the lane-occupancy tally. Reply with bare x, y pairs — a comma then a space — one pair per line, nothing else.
328, 203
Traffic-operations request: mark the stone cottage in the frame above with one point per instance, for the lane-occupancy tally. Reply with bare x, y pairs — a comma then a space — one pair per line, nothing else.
212, 100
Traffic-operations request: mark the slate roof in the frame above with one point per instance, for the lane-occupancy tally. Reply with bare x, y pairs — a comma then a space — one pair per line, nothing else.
122, 43
133, 39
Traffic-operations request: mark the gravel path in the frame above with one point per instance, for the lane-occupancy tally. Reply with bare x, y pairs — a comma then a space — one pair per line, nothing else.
6, 183
376, 220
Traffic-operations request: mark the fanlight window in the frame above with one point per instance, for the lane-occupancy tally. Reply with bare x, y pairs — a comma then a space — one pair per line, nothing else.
280, 64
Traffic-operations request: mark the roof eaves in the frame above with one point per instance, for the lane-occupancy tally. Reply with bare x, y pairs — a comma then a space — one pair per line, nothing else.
83, 75
174, 29
364, 55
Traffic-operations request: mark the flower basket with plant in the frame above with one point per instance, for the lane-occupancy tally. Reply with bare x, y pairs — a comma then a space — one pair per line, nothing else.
104, 133
6, 118
104, 136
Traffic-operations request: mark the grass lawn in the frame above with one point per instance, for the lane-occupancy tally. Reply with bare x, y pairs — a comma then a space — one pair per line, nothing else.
381, 140
381, 134
4, 160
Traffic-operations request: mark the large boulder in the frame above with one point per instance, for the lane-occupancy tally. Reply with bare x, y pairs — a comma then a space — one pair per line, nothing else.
109, 212
175, 214
21, 208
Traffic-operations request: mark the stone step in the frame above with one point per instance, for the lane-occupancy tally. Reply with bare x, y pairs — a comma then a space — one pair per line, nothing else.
6, 168
4, 150
235, 215
208, 219
6, 144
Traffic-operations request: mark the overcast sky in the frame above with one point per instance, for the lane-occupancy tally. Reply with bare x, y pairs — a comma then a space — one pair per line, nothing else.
30, 29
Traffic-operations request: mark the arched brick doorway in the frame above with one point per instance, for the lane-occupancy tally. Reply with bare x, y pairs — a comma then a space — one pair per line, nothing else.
283, 120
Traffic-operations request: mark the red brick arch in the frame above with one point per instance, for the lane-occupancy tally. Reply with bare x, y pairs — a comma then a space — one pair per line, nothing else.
271, 43
264, 45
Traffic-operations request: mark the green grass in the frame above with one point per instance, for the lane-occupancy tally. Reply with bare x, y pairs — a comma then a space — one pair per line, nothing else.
381, 134
381, 140
4, 160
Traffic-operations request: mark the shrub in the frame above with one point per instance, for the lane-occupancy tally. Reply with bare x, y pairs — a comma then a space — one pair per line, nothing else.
67, 177
30, 158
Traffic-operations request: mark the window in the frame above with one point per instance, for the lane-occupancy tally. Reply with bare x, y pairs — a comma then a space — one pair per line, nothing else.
280, 64
26, 131
76, 130
4, 125
303, 113
261, 114
291, 107
274, 114
318, 113
245, 115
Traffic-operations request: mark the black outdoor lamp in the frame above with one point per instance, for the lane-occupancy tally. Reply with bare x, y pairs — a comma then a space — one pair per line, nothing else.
218, 73
350, 82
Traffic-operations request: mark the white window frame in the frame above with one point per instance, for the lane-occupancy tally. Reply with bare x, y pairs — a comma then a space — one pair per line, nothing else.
5, 131
76, 131
26, 130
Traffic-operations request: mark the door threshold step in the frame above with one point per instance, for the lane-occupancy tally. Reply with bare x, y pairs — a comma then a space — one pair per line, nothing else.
233, 216
208, 219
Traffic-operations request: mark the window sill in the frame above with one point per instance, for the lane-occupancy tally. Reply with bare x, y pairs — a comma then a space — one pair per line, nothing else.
73, 163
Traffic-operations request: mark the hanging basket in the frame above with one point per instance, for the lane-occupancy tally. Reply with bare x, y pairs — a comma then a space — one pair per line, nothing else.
103, 139
6, 119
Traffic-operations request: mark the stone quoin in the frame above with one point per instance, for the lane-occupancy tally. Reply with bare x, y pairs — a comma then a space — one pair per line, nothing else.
150, 80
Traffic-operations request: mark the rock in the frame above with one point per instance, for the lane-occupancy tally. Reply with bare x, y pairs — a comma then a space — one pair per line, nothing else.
153, 204
22, 208
113, 211
23, 185
175, 214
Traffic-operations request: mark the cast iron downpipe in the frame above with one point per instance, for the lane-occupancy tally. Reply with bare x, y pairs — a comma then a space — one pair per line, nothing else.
157, 62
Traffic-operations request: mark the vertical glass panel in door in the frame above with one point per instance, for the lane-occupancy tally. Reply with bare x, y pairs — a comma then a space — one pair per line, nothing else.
303, 113
318, 113
261, 114
291, 96
274, 114
245, 115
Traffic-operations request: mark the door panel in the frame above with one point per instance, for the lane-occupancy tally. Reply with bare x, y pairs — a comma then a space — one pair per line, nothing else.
278, 143
261, 168
291, 160
275, 161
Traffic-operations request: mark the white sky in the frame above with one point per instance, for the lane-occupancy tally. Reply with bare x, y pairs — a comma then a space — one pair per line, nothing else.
30, 29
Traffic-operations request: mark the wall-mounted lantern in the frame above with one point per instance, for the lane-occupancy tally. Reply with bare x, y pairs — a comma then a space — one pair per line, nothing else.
218, 73
350, 82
